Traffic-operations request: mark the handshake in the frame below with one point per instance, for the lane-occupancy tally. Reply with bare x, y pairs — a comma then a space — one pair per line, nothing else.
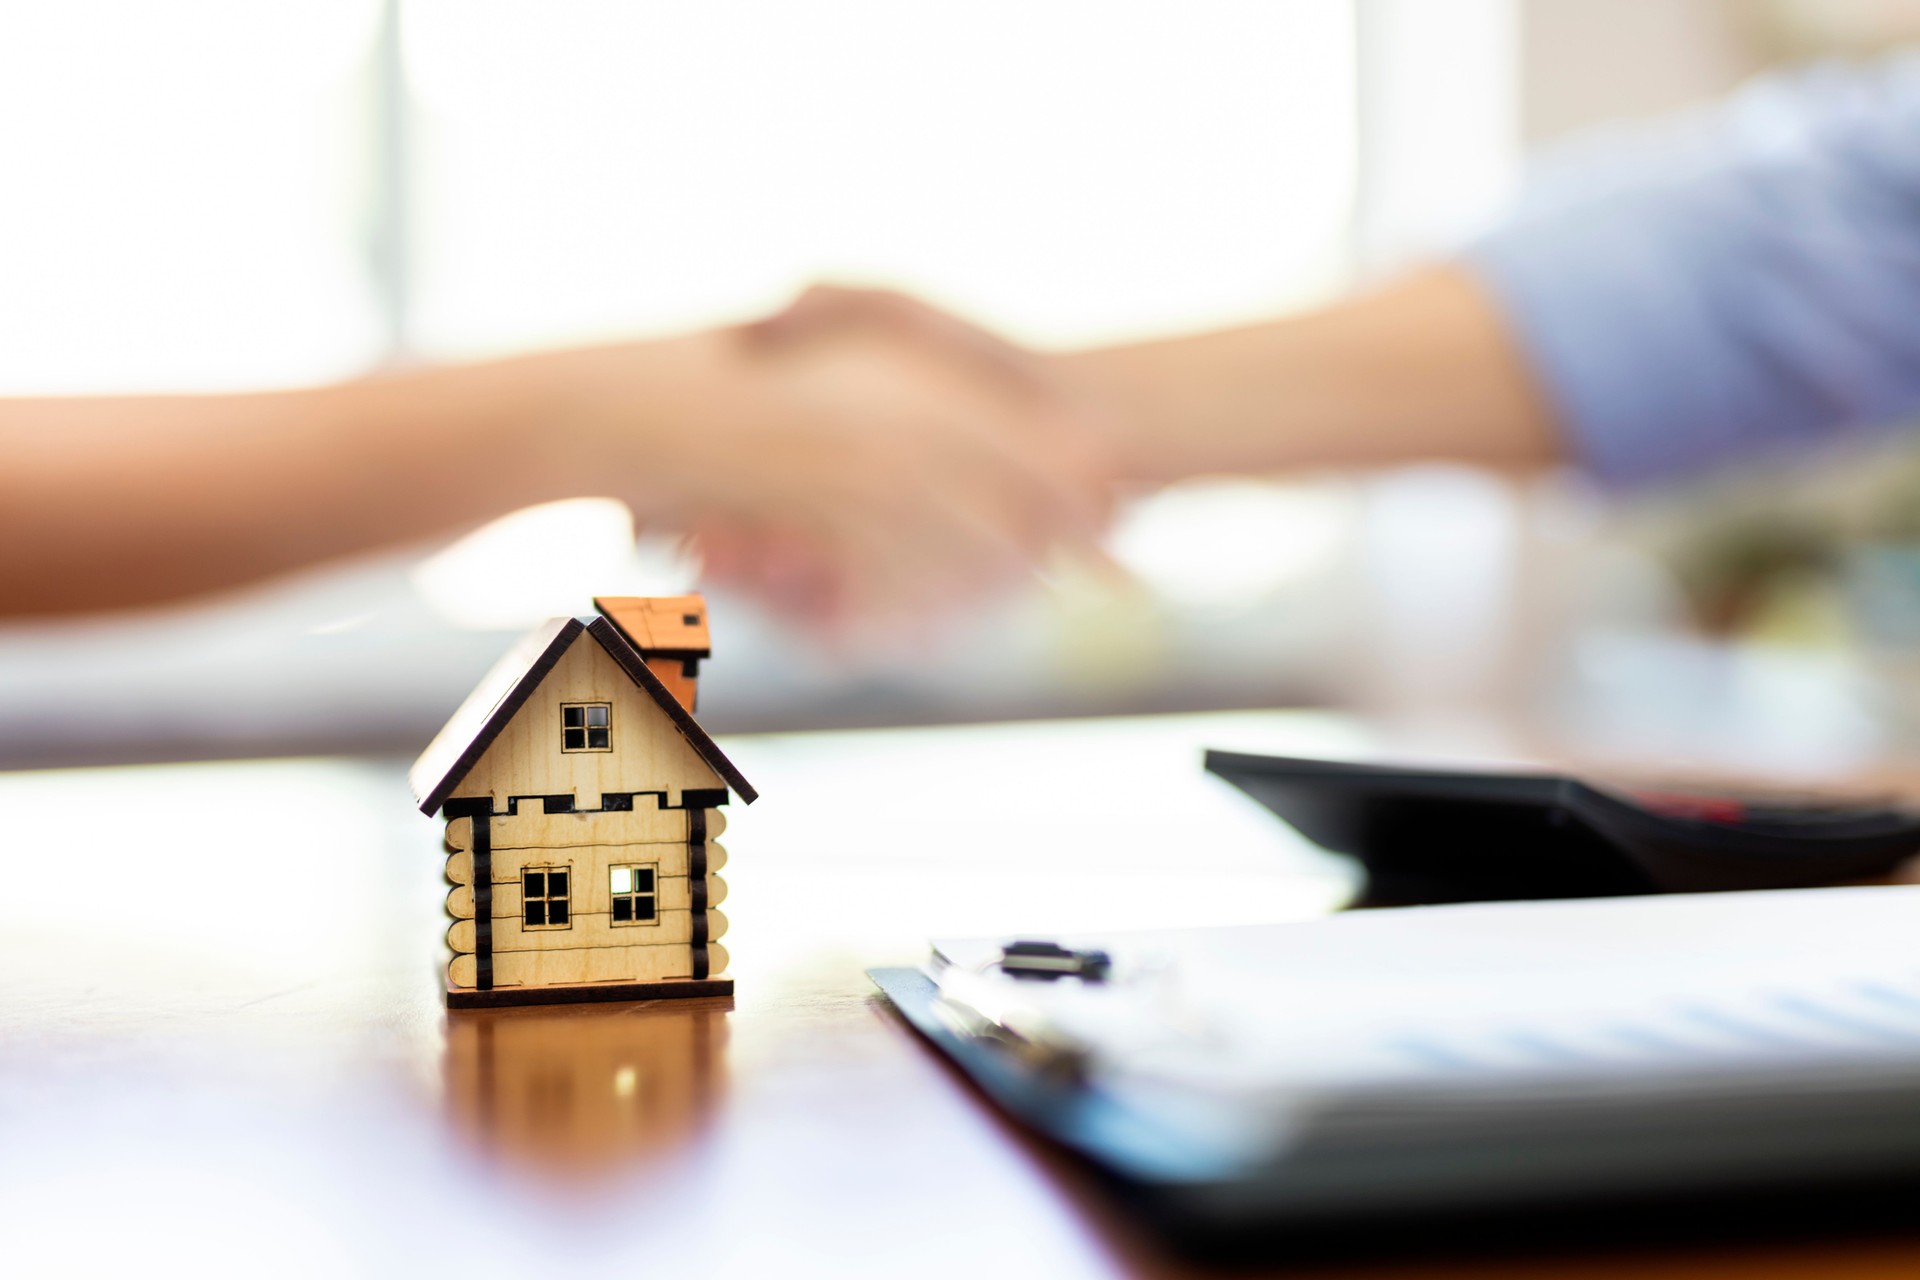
858, 456
863, 455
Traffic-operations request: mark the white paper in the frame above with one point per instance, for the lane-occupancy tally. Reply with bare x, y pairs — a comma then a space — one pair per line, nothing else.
1617, 989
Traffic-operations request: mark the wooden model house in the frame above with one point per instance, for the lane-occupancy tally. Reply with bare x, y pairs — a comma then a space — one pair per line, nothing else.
582, 801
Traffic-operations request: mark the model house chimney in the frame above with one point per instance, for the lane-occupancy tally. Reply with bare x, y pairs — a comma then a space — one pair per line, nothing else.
671, 634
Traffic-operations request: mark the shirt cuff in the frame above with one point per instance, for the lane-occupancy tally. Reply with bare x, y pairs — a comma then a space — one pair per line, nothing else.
1626, 357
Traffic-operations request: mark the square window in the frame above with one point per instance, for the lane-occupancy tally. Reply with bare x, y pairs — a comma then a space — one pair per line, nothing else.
690, 619
586, 726
544, 902
631, 890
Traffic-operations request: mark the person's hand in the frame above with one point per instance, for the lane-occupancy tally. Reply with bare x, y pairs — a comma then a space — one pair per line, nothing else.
843, 469
1053, 434
826, 310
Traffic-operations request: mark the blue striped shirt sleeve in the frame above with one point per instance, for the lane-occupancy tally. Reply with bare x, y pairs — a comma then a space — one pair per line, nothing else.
1743, 286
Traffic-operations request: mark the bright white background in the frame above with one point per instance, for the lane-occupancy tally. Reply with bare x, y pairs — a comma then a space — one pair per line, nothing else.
199, 189
217, 194
1073, 171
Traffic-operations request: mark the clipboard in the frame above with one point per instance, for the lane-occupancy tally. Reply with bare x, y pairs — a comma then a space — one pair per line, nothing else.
1790, 1142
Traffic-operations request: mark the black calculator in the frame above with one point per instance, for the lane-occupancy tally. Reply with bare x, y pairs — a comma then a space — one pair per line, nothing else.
1438, 835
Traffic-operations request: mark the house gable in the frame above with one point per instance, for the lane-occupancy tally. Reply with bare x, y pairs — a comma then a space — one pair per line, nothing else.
506, 739
646, 750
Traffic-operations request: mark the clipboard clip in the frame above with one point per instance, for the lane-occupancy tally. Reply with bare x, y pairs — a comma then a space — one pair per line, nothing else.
1049, 961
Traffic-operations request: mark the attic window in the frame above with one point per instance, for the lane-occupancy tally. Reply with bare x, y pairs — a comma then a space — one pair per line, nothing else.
545, 897
584, 726
690, 619
632, 891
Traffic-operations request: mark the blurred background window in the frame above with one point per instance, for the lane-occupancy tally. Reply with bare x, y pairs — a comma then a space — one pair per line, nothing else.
187, 194
1072, 171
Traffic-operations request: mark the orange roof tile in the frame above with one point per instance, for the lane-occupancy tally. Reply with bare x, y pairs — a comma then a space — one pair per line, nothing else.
660, 624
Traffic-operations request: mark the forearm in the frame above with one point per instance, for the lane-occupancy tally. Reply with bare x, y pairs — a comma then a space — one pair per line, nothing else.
1422, 369
116, 501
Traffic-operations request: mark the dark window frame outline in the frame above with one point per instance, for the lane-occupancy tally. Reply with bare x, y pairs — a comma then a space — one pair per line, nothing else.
546, 898
634, 896
585, 728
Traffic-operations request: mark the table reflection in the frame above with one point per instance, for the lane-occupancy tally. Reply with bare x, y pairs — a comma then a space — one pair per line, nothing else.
582, 1090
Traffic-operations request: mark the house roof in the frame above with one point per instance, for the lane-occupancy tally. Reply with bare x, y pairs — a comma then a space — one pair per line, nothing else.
505, 689
660, 624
